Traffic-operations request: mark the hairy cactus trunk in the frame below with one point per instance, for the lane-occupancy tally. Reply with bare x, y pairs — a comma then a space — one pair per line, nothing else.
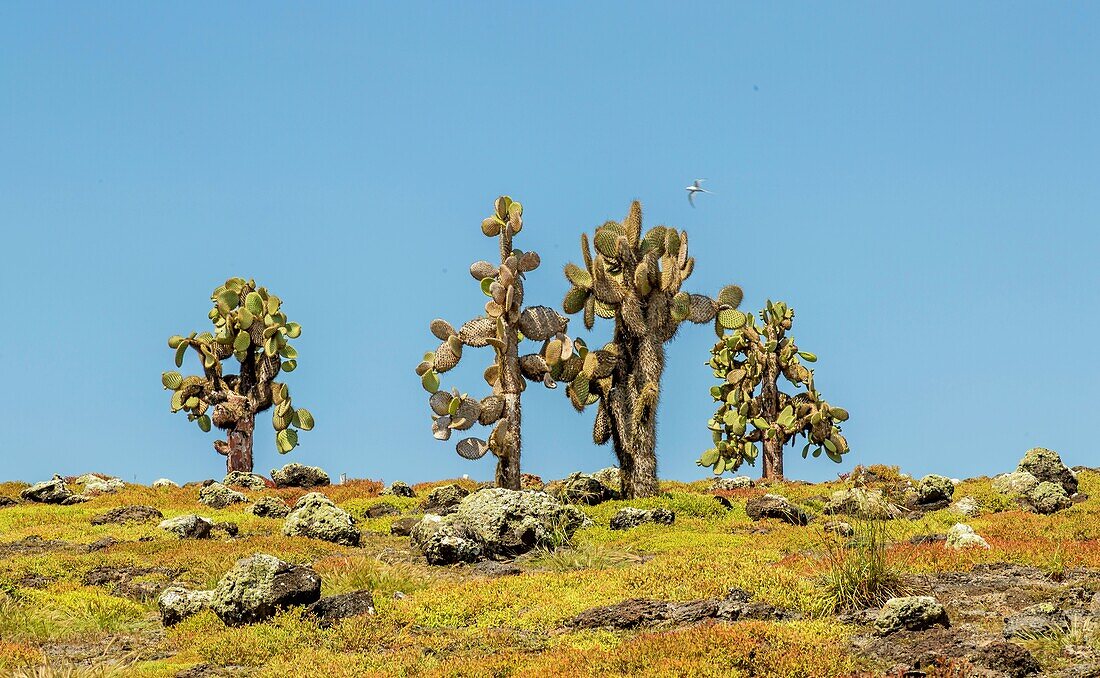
634, 414
769, 401
508, 462
239, 450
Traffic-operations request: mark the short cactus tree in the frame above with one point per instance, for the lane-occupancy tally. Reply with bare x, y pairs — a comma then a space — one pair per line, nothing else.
634, 280
505, 324
250, 326
752, 410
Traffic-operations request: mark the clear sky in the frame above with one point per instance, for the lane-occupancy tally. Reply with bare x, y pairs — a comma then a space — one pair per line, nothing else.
919, 180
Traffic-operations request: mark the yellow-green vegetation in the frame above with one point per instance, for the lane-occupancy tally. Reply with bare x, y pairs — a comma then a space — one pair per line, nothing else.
457, 622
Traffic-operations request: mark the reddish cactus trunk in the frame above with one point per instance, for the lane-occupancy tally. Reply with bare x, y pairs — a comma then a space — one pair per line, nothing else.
239, 455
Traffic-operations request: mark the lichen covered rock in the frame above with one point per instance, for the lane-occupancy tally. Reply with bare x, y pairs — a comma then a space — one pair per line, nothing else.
300, 475
332, 609
611, 478
581, 488
511, 522
53, 491
629, 517
128, 514
734, 483
103, 485
1015, 484
248, 481
399, 489
257, 587
1047, 498
164, 482
188, 526
444, 540
1037, 620
962, 536
217, 495
913, 613
934, 488
269, 507
177, 603
1047, 466
967, 506
444, 500
775, 506
316, 517
861, 503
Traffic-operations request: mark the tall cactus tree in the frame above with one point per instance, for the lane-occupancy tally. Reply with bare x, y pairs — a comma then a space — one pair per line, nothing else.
634, 280
505, 324
749, 362
250, 326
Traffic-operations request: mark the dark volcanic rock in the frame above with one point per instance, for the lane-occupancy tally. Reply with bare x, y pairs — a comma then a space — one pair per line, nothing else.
269, 507
383, 509
7, 501
444, 500
913, 613
300, 475
128, 514
402, 527
775, 506
334, 608
399, 489
642, 612
1036, 620
1047, 466
53, 491
258, 587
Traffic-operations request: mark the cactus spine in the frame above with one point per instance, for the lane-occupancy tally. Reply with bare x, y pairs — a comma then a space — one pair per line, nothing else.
250, 326
634, 280
505, 324
752, 410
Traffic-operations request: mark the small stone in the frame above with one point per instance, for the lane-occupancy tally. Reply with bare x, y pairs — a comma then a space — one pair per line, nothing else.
967, 506
734, 483
1047, 498
316, 517
775, 506
444, 500
300, 475
217, 495
7, 501
838, 527
177, 603
1036, 620
257, 587
269, 507
913, 613
227, 528
100, 544
248, 481
629, 517
101, 486
933, 488
164, 482
1047, 466
962, 536
402, 527
188, 526
1017, 483
53, 491
581, 488
383, 509
128, 514
75, 499
399, 489
334, 608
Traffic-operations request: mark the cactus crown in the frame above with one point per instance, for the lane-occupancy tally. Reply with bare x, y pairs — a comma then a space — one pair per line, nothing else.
250, 326
505, 324
751, 409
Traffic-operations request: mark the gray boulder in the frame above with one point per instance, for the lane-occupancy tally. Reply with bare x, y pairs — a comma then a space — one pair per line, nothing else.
967, 506
332, 609
176, 603
511, 522
933, 488
269, 507
1047, 466
188, 526
164, 482
403, 527
316, 517
962, 536
248, 481
629, 517
53, 491
445, 541
257, 587
1016, 484
217, 495
860, 503
734, 483
913, 613
581, 488
775, 506
399, 489
300, 475
103, 486
611, 478
1047, 498
1037, 620
444, 500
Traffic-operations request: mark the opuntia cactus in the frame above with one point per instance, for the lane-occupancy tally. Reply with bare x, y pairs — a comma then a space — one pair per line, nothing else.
752, 410
505, 324
634, 280
250, 326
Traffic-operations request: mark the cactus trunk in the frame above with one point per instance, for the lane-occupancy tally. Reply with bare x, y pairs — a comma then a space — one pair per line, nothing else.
769, 402
239, 457
508, 462
634, 431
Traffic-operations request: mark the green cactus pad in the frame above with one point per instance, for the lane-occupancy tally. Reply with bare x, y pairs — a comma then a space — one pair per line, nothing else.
731, 296
286, 440
171, 380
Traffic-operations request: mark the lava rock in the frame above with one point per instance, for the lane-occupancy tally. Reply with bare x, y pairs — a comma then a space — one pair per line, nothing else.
53, 491
1041, 619
269, 507
188, 526
383, 509
316, 517
1016, 484
217, 495
444, 541
934, 488
343, 606
7, 501
75, 499
734, 483
128, 514
629, 517
1047, 466
402, 527
512, 522
227, 528
580, 488
962, 536
1047, 498
861, 503
611, 478
104, 486
177, 603
300, 475
775, 506
399, 489
913, 613
248, 481
257, 587
444, 500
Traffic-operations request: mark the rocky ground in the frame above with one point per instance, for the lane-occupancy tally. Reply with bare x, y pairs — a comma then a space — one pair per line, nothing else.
293, 576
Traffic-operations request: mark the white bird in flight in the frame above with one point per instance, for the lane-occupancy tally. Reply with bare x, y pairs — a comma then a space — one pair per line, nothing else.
695, 188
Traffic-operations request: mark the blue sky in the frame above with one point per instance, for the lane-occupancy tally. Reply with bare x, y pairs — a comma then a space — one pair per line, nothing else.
918, 180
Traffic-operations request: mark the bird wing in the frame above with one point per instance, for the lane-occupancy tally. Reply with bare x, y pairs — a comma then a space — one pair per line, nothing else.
699, 181
691, 198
